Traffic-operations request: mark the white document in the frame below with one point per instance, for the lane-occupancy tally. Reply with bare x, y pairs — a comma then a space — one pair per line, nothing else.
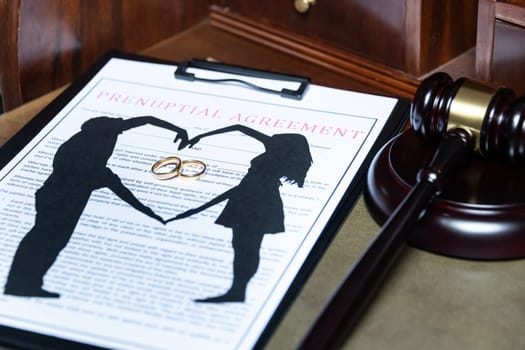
125, 280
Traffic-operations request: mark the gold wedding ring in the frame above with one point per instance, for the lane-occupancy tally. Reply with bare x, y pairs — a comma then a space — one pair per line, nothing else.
194, 169
188, 169
163, 163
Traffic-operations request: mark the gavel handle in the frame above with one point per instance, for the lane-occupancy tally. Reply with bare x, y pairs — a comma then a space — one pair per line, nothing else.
359, 285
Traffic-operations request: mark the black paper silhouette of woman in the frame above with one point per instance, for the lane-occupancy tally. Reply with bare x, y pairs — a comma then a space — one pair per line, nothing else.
79, 168
254, 206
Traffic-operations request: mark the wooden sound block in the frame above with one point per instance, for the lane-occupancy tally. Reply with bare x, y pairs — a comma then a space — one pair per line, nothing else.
480, 213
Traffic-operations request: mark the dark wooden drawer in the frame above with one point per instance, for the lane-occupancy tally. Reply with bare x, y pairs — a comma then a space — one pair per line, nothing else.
413, 36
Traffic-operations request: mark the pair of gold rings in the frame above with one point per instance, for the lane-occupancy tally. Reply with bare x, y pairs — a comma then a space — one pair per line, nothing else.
170, 167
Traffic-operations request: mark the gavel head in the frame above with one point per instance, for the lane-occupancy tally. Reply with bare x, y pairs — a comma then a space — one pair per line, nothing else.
494, 118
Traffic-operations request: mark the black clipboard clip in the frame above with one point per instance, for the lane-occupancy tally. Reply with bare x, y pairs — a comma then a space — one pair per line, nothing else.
181, 73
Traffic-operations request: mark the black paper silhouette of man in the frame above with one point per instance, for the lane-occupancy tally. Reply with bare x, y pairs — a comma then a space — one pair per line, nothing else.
79, 168
254, 206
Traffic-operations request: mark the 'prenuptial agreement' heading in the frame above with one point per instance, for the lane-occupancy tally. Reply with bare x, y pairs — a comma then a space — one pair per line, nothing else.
238, 117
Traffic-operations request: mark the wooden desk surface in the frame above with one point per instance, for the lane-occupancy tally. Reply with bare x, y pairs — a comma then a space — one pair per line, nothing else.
428, 301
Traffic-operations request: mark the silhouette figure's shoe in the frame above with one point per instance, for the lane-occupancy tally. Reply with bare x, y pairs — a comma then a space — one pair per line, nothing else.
36, 292
228, 297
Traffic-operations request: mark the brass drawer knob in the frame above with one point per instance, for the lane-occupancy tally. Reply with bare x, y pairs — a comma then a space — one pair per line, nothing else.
303, 6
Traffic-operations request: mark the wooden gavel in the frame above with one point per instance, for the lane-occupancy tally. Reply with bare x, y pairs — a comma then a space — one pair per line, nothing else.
492, 119
464, 117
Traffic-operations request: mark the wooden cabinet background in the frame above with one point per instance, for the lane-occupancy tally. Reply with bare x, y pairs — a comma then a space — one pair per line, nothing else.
47, 44
385, 46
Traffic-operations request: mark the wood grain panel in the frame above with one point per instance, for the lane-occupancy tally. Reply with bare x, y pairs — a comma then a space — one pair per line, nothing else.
9, 69
448, 29
51, 42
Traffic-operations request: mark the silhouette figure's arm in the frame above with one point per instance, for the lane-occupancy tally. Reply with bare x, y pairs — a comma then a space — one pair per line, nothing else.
139, 121
259, 136
114, 183
205, 206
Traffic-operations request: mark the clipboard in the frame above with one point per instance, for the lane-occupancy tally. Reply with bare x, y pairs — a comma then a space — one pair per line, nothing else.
32, 333
182, 73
